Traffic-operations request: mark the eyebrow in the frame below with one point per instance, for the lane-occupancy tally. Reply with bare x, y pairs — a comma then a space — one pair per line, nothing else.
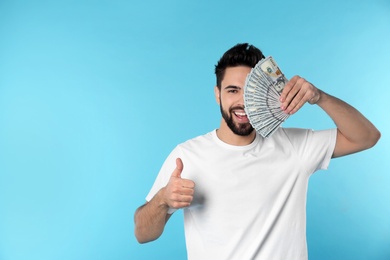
232, 87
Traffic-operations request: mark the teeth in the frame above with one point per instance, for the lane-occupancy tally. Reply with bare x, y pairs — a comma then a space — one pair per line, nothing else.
240, 113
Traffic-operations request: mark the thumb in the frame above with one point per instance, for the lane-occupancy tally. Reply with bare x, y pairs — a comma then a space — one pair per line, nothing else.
178, 169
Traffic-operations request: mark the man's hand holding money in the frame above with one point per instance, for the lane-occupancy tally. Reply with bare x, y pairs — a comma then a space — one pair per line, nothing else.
296, 93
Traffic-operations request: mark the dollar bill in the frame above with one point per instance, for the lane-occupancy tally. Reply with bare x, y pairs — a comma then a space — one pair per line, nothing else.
271, 68
262, 90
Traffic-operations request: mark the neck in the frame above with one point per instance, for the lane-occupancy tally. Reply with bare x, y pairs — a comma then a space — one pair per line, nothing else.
226, 135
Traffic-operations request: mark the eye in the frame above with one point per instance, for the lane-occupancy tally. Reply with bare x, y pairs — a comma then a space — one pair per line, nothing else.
231, 89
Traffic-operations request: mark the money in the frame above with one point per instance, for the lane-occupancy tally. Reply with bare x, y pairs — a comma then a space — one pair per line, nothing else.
262, 90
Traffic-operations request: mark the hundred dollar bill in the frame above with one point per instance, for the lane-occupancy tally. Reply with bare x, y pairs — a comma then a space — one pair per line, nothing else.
262, 90
271, 68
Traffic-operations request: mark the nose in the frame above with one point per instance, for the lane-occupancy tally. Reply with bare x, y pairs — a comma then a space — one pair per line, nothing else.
241, 100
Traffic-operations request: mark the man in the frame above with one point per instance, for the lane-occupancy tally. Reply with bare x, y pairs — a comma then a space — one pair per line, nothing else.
244, 196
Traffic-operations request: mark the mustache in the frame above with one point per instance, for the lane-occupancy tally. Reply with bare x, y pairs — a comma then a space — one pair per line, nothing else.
236, 108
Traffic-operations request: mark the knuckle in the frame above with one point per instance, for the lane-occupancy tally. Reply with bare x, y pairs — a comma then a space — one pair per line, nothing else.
175, 204
175, 197
301, 81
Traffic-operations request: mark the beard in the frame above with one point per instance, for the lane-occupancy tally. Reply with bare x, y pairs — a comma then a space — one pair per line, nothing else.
242, 129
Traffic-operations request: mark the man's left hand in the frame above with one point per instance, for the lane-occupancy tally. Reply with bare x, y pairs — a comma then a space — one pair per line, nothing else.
296, 93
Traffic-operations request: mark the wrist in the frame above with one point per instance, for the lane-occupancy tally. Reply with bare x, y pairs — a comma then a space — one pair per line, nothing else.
160, 199
320, 97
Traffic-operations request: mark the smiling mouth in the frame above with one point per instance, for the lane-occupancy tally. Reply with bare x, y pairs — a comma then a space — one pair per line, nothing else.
241, 115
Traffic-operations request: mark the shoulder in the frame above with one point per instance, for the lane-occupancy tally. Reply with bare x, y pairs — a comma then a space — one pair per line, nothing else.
283, 134
300, 137
199, 141
301, 132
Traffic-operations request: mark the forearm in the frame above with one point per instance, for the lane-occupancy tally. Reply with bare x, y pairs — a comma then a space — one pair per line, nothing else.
355, 132
150, 219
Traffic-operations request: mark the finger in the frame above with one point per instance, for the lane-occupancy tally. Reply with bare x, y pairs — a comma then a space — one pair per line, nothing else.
183, 198
295, 107
287, 88
296, 94
293, 88
182, 186
179, 168
188, 184
307, 94
297, 102
179, 205
185, 191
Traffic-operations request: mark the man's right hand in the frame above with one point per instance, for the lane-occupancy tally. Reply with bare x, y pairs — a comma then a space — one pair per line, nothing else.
179, 192
150, 218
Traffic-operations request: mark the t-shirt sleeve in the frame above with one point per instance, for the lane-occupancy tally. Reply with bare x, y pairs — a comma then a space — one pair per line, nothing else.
164, 175
323, 148
315, 148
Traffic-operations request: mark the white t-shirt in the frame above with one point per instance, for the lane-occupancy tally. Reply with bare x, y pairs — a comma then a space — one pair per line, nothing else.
250, 201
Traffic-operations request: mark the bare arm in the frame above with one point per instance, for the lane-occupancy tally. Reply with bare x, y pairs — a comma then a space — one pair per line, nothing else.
354, 132
150, 218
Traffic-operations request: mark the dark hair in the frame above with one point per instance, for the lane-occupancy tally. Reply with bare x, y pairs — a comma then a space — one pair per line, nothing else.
239, 55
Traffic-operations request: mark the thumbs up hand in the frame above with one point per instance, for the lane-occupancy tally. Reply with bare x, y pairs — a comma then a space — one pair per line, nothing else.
179, 192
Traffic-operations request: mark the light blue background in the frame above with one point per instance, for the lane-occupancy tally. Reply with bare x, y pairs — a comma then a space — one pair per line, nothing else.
95, 94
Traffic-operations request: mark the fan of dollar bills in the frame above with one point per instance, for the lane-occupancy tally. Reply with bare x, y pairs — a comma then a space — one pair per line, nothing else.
262, 90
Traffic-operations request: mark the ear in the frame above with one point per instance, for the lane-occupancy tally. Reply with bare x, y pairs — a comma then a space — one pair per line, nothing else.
217, 93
